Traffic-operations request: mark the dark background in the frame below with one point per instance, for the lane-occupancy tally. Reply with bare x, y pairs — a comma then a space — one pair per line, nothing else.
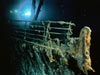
81, 12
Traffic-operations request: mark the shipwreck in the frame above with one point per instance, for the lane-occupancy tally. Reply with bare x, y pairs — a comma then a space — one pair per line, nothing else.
48, 48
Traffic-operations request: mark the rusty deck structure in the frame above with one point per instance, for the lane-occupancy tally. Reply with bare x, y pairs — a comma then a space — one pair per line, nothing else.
48, 48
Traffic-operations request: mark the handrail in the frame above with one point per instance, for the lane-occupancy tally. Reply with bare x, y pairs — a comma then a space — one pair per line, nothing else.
44, 31
59, 22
